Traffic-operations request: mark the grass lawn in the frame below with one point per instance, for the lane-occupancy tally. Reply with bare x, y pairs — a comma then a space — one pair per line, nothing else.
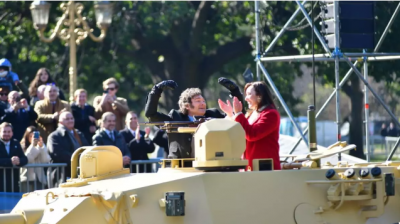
379, 154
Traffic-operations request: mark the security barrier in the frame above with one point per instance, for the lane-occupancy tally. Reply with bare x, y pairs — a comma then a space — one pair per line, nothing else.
145, 166
51, 170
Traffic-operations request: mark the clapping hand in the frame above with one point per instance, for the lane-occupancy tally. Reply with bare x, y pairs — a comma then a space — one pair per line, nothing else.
237, 105
226, 107
147, 131
137, 132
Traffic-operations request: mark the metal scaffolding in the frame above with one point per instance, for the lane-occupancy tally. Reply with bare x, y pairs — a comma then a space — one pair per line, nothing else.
337, 56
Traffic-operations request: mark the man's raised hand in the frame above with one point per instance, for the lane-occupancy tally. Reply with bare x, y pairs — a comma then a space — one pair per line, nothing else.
227, 83
167, 84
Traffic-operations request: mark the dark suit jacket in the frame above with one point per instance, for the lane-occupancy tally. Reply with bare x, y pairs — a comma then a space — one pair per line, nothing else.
180, 145
102, 138
61, 148
138, 150
126, 133
5, 161
20, 121
3, 107
82, 121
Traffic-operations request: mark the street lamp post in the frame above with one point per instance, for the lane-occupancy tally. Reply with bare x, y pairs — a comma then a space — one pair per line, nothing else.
75, 28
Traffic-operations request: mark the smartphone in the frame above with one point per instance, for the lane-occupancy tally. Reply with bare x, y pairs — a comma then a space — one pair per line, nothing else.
105, 91
36, 135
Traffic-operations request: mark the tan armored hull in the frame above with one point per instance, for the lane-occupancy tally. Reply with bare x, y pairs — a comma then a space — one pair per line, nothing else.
247, 197
303, 194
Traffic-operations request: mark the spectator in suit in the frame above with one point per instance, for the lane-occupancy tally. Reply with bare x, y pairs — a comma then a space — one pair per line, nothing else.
48, 111
84, 115
109, 102
36, 152
11, 155
109, 136
63, 142
42, 77
19, 114
39, 95
138, 141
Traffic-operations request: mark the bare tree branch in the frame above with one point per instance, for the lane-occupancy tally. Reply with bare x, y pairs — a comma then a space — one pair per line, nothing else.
3, 16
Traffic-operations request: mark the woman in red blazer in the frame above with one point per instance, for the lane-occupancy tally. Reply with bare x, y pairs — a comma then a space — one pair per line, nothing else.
261, 123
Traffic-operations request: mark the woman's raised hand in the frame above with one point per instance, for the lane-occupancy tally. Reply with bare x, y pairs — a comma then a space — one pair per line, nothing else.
237, 105
40, 142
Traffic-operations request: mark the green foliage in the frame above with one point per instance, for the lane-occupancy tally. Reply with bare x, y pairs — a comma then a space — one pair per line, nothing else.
147, 42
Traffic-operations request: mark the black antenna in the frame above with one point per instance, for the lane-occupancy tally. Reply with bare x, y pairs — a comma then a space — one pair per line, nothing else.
313, 59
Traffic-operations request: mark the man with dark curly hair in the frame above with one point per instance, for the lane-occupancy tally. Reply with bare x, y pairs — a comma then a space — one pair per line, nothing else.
191, 105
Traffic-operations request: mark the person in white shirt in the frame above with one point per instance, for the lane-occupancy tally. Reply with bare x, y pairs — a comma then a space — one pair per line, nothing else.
37, 153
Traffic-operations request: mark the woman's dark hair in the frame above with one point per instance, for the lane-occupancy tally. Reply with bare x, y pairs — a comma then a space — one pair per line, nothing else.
261, 89
25, 139
36, 82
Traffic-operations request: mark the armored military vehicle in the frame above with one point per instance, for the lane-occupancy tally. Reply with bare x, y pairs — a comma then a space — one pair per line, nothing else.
214, 188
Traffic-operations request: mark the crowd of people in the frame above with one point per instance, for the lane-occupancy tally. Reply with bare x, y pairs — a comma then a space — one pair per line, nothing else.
39, 126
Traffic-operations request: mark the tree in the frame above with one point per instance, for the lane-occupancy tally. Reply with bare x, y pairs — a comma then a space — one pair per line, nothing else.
147, 42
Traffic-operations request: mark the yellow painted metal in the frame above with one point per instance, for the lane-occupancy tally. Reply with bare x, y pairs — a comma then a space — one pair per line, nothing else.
219, 143
12, 219
301, 194
31, 216
96, 163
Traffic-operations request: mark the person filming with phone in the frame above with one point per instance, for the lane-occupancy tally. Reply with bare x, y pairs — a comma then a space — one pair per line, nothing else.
19, 114
109, 102
36, 152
